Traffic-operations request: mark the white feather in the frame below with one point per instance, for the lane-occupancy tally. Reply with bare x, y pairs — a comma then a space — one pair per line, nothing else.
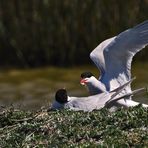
113, 56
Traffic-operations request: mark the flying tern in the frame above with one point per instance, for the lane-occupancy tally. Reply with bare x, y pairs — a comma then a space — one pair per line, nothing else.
113, 57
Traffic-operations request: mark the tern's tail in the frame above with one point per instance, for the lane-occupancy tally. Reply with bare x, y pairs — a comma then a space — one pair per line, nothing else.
111, 101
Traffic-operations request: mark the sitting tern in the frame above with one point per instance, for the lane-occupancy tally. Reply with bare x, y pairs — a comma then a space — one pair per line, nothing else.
113, 58
90, 103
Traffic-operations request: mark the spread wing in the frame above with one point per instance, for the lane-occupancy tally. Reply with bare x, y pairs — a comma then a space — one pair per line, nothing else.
114, 56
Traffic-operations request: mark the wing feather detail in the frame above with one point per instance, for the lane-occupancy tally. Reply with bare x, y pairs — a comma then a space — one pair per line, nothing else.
113, 57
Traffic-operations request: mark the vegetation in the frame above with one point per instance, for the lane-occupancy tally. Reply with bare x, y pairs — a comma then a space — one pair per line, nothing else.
52, 32
123, 128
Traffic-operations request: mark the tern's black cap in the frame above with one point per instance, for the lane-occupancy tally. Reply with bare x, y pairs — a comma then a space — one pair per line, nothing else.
61, 96
86, 75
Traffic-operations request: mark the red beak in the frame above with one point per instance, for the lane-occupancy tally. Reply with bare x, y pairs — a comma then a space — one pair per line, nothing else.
83, 81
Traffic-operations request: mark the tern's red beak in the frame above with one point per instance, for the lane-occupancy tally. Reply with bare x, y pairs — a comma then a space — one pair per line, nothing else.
83, 81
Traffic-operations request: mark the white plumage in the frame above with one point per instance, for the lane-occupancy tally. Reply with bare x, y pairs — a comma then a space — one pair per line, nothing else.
90, 103
113, 58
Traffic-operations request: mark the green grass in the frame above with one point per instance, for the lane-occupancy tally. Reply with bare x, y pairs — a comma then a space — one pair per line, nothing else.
123, 128
33, 88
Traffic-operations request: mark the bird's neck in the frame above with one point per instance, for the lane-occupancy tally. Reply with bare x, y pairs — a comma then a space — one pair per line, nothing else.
95, 86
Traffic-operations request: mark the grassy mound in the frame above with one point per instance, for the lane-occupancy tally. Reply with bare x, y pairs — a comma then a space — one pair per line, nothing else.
123, 128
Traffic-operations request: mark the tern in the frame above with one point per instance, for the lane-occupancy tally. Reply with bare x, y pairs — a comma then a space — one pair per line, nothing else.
90, 103
113, 57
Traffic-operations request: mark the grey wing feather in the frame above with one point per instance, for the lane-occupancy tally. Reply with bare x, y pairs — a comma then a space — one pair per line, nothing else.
114, 56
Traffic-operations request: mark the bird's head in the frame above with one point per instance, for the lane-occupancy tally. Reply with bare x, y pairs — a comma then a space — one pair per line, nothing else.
86, 78
61, 96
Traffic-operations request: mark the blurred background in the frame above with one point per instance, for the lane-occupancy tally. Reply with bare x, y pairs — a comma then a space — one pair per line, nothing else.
45, 45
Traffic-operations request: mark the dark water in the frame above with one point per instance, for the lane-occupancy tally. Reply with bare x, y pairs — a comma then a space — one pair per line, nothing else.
32, 89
